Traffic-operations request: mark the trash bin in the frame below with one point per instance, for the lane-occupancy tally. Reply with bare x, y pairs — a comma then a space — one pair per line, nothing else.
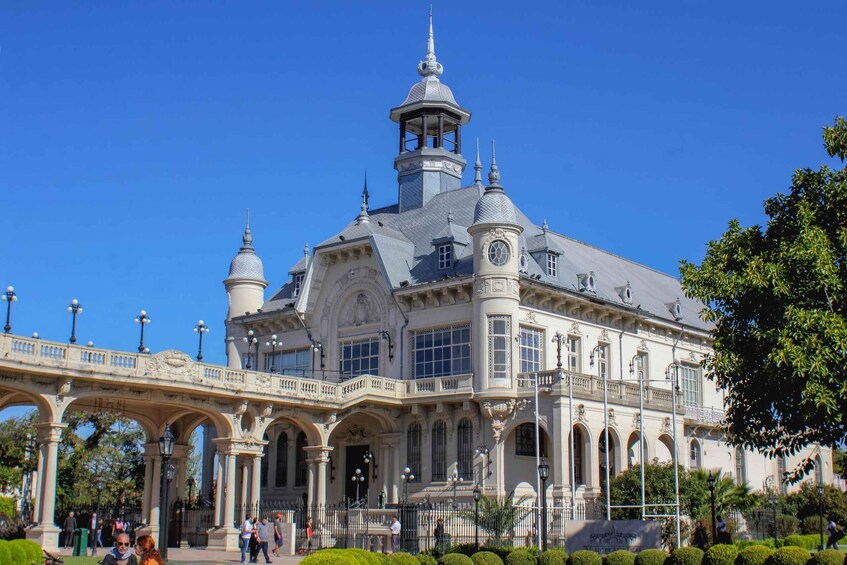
81, 542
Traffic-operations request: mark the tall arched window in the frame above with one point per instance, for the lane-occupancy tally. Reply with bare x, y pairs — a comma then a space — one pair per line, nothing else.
740, 466
578, 445
465, 449
439, 451
301, 474
601, 445
413, 450
264, 464
694, 454
282, 460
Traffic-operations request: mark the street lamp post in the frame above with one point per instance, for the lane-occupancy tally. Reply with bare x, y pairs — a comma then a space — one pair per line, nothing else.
9, 296
200, 328
774, 501
166, 450
30, 446
99, 492
544, 473
252, 341
358, 479
368, 458
273, 344
191, 482
672, 375
318, 347
75, 308
406, 476
142, 319
598, 349
710, 482
820, 502
477, 495
455, 479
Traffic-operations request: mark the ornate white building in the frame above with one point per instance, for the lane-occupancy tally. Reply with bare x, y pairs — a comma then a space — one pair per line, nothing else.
458, 297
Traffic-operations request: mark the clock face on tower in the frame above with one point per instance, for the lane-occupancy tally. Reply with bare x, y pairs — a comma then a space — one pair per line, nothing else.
498, 253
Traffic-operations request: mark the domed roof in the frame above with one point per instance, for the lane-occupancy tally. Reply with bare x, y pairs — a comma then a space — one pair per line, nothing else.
430, 89
494, 207
246, 265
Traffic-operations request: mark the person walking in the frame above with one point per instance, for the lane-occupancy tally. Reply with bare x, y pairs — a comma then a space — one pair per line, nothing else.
246, 534
701, 537
145, 548
395, 528
834, 534
310, 532
724, 536
440, 541
121, 554
94, 532
69, 527
264, 533
254, 541
277, 533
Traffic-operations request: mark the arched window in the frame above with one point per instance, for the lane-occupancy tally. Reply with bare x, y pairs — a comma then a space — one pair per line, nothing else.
601, 445
632, 448
465, 449
578, 446
694, 454
818, 470
740, 466
264, 464
525, 440
439, 451
413, 450
302, 471
282, 460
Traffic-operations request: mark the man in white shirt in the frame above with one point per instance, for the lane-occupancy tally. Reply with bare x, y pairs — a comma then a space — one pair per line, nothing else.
246, 533
395, 534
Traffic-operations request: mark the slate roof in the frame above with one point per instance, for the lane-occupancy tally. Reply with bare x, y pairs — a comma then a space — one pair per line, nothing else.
403, 246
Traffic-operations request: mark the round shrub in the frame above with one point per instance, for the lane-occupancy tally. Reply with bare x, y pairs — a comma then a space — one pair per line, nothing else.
486, 558
721, 554
521, 557
585, 557
18, 554
426, 559
553, 557
687, 556
383, 558
620, 557
502, 551
790, 555
5, 554
363, 557
754, 555
651, 557
401, 558
464, 548
330, 557
31, 549
455, 559
808, 541
829, 557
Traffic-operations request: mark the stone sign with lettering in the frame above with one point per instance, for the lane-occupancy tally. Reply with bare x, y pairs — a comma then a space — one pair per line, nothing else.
605, 537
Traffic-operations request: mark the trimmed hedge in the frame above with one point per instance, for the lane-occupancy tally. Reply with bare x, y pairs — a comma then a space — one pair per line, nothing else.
401, 558
651, 557
721, 554
18, 554
790, 555
31, 549
502, 551
808, 541
486, 558
383, 558
364, 557
464, 548
620, 557
754, 555
585, 557
425, 559
553, 557
829, 557
521, 557
330, 557
687, 556
5, 554
455, 559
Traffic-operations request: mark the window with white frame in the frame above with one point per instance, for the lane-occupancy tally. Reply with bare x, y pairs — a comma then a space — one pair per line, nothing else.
294, 361
694, 454
689, 380
552, 265
532, 349
298, 284
442, 352
603, 360
499, 347
573, 354
445, 256
360, 357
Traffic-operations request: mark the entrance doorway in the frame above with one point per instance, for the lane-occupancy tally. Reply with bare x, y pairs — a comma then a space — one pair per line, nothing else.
354, 456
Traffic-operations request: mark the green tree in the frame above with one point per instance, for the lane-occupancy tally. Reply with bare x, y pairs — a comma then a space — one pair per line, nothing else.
778, 300
729, 495
13, 461
498, 517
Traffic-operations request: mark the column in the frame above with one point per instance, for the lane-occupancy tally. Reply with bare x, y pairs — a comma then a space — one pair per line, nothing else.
179, 480
500, 466
559, 437
219, 492
155, 494
395, 472
384, 469
310, 485
36, 485
245, 477
148, 482
229, 496
256, 482
318, 460
45, 533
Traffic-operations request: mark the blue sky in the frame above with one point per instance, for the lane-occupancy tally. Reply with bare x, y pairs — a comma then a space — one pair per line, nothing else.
133, 135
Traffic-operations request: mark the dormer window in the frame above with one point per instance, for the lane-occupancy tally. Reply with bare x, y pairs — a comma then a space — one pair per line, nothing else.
588, 283
445, 256
625, 292
552, 265
675, 309
298, 284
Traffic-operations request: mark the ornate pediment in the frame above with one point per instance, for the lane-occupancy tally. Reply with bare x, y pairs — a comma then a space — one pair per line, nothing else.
170, 361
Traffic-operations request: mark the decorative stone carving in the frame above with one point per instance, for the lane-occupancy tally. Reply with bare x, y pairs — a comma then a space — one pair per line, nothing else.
361, 310
580, 413
354, 433
170, 361
666, 425
604, 335
636, 421
240, 409
574, 329
642, 346
525, 404
530, 317
611, 416
498, 411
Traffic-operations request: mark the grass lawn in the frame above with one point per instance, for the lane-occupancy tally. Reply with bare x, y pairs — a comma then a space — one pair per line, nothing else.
82, 560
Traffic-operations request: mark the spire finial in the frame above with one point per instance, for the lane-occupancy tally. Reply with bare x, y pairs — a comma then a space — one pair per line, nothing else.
248, 237
363, 215
544, 226
477, 167
306, 249
450, 217
430, 67
494, 173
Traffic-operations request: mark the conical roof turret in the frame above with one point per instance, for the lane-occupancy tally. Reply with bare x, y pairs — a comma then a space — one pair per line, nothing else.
494, 207
246, 265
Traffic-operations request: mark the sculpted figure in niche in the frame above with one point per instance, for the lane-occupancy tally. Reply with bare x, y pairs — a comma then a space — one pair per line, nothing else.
361, 310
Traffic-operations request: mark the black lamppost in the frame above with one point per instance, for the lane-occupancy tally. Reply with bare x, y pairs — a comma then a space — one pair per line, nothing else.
455, 479
9, 296
142, 319
710, 482
406, 476
191, 482
820, 501
774, 502
30, 446
477, 495
252, 341
99, 491
318, 347
75, 308
387, 336
358, 479
200, 328
544, 473
371, 457
166, 450
273, 344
